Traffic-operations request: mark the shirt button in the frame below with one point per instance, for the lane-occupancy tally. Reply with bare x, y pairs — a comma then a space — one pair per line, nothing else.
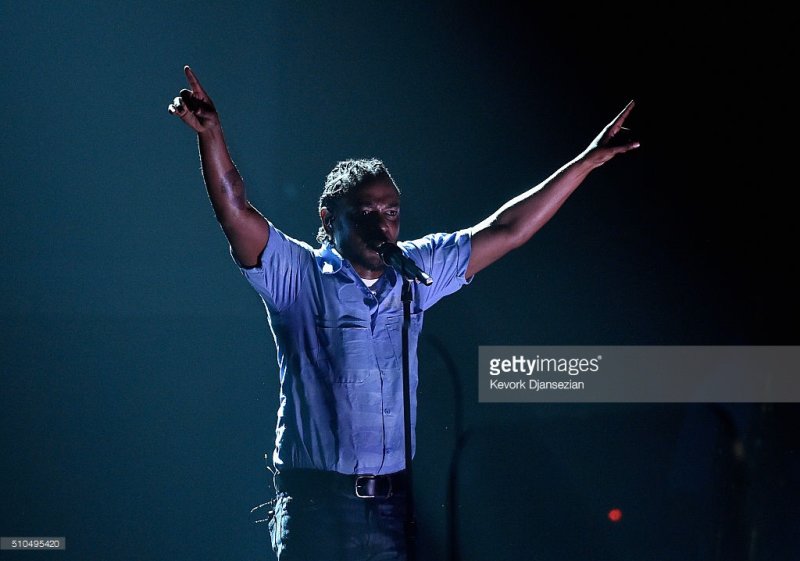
387, 411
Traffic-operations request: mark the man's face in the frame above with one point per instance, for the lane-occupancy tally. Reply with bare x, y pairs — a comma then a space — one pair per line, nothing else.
366, 217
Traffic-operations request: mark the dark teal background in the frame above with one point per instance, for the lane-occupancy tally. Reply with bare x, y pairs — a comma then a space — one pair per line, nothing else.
139, 384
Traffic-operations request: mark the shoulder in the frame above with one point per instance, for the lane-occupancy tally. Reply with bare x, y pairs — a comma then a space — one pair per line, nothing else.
437, 241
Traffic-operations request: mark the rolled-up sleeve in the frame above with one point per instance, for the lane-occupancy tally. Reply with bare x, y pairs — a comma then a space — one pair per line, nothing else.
281, 268
445, 258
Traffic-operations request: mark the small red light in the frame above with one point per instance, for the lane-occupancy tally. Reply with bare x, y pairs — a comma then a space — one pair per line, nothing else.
615, 515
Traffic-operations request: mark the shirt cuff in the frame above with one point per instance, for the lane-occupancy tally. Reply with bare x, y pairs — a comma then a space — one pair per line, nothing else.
464, 244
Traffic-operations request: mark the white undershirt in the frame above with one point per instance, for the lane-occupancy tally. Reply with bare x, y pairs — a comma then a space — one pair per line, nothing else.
369, 282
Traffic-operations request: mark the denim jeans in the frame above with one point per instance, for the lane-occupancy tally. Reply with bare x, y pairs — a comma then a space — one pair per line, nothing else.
334, 527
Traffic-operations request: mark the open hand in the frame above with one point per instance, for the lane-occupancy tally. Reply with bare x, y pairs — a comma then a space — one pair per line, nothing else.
194, 107
606, 146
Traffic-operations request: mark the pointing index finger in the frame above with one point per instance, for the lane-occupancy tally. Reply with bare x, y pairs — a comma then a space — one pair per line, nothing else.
194, 82
624, 114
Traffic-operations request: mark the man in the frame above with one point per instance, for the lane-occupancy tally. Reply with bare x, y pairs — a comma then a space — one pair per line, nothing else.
336, 316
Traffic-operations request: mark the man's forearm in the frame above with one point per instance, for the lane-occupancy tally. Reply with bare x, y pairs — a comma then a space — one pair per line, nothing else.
519, 219
223, 182
525, 214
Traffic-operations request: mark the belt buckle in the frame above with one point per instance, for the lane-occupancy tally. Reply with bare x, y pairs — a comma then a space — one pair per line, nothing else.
359, 483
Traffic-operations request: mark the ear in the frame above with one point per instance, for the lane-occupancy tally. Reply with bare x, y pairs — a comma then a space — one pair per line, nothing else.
327, 218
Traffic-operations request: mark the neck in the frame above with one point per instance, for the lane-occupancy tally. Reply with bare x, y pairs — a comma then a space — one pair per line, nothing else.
367, 273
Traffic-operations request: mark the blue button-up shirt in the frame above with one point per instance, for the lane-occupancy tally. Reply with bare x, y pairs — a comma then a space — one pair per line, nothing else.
339, 349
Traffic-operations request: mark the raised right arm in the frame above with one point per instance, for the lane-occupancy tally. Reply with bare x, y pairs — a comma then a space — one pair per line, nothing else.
246, 229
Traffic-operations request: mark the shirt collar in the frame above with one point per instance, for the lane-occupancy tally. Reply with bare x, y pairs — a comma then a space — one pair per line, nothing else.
328, 259
330, 262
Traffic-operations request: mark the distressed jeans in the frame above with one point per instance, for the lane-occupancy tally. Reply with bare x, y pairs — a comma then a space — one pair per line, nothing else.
334, 527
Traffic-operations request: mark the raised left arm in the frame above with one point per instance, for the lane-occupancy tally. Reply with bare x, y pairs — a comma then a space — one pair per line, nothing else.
515, 222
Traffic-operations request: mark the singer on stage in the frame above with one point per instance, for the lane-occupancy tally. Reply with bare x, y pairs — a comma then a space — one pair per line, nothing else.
336, 317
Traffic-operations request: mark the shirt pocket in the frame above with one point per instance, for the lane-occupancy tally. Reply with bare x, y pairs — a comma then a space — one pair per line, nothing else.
345, 352
394, 326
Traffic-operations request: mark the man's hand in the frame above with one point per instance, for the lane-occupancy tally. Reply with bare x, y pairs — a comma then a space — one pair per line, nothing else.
608, 143
194, 107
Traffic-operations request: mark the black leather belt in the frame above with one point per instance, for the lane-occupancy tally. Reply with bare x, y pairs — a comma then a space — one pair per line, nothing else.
310, 483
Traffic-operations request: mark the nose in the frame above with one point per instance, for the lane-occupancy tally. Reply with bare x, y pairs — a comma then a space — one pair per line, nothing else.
383, 225
375, 225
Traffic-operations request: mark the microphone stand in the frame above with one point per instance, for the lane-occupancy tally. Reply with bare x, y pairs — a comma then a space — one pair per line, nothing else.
410, 521
410, 272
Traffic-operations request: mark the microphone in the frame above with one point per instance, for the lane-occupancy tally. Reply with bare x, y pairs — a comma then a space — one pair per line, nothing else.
393, 256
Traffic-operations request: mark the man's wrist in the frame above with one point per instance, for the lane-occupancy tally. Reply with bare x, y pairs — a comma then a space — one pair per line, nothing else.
213, 132
585, 163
